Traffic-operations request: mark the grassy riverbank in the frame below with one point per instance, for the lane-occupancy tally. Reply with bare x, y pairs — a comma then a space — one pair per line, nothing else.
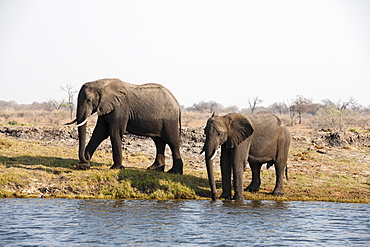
36, 168
46, 169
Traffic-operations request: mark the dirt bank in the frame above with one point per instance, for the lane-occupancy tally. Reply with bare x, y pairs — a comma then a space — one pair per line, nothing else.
192, 139
335, 146
191, 144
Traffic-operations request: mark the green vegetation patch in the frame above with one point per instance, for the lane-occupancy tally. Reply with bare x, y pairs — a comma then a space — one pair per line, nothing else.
99, 183
158, 185
35, 168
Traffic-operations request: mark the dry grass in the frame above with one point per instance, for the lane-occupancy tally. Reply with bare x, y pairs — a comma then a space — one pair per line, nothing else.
319, 177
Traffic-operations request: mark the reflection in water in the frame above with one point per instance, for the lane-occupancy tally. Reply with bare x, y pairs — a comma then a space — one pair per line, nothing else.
168, 223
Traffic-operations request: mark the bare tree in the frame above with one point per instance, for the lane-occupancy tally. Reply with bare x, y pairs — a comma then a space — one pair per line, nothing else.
253, 103
301, 105
70, 104
291, 111
54, 104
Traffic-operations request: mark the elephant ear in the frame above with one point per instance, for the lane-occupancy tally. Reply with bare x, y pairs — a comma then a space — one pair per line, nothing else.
240, 129
112, 95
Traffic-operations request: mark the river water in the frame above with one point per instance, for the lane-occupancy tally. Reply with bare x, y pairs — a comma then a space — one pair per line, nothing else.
62, 222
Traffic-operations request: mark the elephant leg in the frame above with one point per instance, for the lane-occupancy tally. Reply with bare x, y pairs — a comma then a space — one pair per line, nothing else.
238, 162
100, 134
281, 164
116, 141
225, 174
177, 166
159, 162
256, 177
280, 167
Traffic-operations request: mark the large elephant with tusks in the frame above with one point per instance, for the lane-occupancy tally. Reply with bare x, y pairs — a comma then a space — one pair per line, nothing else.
146, 110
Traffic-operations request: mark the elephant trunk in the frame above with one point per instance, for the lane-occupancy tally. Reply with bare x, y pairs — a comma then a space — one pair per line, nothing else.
210, 153
211, 178
81, 139
82, 144
83, 113
210, 149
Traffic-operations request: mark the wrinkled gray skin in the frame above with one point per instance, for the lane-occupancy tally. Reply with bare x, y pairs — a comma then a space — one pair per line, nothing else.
255, 139
146, 110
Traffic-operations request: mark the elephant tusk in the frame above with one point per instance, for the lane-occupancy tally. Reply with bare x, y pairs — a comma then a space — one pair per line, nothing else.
72, 122
214, 155
83, 123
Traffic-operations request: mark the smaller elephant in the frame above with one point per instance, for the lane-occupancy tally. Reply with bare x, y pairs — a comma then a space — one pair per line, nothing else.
256, 139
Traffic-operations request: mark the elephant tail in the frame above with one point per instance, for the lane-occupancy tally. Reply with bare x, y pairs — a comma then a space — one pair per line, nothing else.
180, 127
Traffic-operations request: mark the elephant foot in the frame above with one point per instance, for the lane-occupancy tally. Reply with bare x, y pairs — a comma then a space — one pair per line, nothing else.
251, 189
177, 167
277, 193
213, 196
175, 171
226, 197
156, 168
238, 198
83, 166
117, 167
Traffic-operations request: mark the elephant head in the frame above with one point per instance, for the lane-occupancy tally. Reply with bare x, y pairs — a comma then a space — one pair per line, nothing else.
100, 96
227, 131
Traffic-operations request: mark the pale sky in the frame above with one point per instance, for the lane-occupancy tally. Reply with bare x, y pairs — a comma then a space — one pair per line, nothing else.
225, 51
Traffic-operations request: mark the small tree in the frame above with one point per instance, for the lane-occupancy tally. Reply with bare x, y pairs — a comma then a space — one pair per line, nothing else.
206, 107
337, 115
291, 111
70, 104
232, 108
54, 104
253, 103
301, 105
279, 107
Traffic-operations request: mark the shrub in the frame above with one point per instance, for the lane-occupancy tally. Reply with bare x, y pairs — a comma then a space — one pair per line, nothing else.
13, 122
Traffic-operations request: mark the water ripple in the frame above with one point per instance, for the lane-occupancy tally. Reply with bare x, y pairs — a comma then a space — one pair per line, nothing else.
51, 222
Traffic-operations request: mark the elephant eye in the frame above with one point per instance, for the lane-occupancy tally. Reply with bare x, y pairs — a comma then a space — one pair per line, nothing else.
218, 132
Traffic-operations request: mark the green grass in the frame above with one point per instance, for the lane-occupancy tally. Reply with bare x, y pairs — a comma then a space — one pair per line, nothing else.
15, 123
27, 180
27, 167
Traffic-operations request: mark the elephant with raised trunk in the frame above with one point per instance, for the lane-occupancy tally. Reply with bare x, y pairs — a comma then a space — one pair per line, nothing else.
255, 139
147, 110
